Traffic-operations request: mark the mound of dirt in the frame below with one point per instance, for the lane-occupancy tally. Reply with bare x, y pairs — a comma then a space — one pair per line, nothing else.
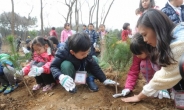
59, 99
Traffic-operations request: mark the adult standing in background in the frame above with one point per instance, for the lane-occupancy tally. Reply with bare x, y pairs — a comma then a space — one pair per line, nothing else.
53, 33
66, 32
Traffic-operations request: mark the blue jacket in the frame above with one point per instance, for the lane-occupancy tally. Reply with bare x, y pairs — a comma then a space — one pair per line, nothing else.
171, 13
88, 64
93, 35
178, 33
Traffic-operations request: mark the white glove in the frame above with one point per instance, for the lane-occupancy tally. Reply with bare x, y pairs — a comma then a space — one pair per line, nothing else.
162, 94
110, 82
172, 95
94, 45
67, 82
35, 71
19, 72
125, 92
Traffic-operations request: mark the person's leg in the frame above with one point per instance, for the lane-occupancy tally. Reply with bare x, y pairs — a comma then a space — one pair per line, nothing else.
9, 72
48, 81
39, 82
0, 47
4, 83
67, 68
90, 79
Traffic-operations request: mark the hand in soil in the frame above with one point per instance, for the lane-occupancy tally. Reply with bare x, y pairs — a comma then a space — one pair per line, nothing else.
134, 98
110, 82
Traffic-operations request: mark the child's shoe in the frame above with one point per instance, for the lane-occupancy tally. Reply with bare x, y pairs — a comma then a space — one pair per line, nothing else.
2, 88
14, 86
48, 87
8, 89
37, 87
91, 84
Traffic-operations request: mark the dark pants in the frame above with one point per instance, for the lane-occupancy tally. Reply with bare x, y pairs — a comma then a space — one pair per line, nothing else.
3, 80
179, 86
45, 79
8, 76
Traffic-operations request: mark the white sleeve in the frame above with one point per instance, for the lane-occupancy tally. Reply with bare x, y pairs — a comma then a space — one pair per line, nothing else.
166, 77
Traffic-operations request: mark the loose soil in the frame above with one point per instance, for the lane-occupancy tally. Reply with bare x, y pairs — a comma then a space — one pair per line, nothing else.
84, 99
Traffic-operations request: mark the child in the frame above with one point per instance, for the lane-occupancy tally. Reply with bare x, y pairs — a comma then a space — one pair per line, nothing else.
140, 49
102, 34
84, 28
93, 37
8, 83
74, 57
56, 43
53, 32
66, 32
42, 50
174, 10
125, 33
146, 4
167, 42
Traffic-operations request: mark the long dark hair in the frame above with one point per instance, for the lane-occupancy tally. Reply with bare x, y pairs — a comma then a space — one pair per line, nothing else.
41, 41
151, 5
137, 45
162, 26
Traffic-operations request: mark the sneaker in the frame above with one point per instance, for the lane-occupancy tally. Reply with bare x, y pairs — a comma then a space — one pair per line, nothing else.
3, 88
8, 90
14, 86
91, 84
48, 87
37, 87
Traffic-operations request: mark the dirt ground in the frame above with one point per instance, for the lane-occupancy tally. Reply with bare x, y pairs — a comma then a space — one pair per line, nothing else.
59, 99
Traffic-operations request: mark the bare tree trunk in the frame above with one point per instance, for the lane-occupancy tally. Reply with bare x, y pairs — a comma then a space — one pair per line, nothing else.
70, 6
13, 19
108, 11
76, 17
41, 17
92, 12
98, 2
71, 20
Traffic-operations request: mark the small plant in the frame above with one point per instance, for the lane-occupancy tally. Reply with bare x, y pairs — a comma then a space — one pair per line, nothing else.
16, 59
117, 54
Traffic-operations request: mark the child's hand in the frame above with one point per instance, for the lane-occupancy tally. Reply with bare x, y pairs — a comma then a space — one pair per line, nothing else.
162, 94
125, 92
19, 72
36, 71
67, 82
110, 82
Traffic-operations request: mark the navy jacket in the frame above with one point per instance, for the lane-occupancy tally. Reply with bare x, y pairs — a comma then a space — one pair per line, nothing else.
93, 35
171, 13
90, 65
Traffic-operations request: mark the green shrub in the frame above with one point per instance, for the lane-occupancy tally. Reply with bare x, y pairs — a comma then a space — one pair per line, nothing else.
117, 53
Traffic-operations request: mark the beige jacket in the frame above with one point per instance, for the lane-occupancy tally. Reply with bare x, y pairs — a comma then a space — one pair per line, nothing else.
166, 77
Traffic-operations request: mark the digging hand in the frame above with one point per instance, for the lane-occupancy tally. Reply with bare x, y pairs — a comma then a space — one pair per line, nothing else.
110, 82
67, 82
35, 71
125, 92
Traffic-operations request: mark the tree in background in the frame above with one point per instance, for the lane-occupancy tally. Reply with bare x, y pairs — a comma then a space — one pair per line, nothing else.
12, 19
